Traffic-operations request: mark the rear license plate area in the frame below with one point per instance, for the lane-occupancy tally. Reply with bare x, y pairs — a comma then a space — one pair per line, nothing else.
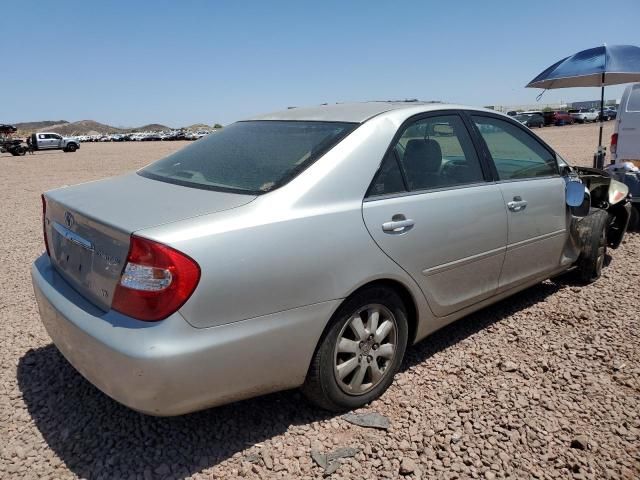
74, 254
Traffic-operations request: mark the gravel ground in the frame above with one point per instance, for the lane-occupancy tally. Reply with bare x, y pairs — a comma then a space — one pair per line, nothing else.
543, 385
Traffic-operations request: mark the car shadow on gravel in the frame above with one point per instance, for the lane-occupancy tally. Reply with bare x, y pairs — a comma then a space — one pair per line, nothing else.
477, 321
97, 437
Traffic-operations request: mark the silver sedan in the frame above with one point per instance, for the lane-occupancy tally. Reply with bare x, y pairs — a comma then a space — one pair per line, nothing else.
309, 248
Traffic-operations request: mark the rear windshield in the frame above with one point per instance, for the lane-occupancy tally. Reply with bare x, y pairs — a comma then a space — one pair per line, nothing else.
249, 157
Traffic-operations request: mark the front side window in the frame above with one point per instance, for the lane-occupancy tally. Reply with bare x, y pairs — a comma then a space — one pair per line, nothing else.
251, 157
633, 104
516, 154
437, 152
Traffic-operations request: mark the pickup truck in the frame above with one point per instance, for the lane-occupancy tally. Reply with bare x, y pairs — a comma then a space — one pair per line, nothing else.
584, 115
53, 141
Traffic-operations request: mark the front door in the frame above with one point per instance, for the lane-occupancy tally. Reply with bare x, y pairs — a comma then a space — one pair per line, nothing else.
56, 141
431, 210
534, 196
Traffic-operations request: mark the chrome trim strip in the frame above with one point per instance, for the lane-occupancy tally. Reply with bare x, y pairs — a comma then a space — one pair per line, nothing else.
463, 261
425, 191
528, 241
73, 237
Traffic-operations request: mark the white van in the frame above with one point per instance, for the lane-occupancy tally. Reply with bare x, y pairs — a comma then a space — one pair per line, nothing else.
625, 141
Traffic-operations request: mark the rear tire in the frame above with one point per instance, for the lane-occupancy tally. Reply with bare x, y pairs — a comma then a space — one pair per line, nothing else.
593, 236
350, 369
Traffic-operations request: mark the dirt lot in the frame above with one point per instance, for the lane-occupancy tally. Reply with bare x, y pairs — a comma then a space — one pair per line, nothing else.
543, 385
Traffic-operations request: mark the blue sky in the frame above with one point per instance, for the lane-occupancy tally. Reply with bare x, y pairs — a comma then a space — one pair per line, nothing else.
127, 63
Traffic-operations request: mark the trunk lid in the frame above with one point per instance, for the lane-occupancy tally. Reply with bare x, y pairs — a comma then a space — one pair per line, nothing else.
89, 226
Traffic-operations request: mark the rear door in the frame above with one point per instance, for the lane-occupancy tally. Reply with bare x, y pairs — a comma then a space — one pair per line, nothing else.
629, 128
43, 141
432, 209
50, 141
534, 196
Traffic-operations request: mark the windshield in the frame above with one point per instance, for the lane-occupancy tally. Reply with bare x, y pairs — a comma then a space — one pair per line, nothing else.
249, 157
522, 117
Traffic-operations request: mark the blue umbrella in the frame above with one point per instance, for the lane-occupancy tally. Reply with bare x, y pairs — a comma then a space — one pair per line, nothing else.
595, 67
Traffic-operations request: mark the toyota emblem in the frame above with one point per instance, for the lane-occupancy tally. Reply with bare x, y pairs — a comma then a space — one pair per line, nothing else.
68, 219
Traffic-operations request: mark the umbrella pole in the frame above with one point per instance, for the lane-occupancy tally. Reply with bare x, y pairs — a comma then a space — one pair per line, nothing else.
599, 159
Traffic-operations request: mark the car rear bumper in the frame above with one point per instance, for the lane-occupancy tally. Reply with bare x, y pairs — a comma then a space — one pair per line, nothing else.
169, 367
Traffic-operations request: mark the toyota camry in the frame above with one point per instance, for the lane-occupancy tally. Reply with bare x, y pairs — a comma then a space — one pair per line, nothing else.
309, 248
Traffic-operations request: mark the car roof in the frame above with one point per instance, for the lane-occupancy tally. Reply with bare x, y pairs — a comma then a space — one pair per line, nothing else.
357, 112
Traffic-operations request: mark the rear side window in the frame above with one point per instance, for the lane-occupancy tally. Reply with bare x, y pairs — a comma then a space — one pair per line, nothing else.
633, 104
437, 152
516, 154
251, 157
388, 179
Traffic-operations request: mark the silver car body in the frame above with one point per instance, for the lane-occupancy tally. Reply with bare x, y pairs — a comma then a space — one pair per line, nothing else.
275, 267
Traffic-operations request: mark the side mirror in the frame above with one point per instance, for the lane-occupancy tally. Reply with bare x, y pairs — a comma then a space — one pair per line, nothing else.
578, 198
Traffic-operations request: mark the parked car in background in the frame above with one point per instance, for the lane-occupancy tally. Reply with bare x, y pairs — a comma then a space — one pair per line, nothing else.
189, 284
609, 113
530, 120
512, 113
531, 112
558, 118
54, 141
152, 137
584, 115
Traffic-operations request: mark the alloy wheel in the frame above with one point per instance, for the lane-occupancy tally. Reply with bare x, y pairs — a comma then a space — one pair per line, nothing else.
365, 349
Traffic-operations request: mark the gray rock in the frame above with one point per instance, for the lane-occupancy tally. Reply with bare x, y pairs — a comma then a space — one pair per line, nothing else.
509, 366
330, 462
369, 420
163, 469
408, 466
267, 459
580, 442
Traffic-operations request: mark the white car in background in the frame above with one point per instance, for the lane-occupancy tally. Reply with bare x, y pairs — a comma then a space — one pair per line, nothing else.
584, 115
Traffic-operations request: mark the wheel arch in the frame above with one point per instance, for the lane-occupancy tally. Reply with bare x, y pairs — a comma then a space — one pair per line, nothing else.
405, 294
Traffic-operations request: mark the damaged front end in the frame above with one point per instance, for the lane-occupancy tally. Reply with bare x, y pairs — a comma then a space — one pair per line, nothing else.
609, 195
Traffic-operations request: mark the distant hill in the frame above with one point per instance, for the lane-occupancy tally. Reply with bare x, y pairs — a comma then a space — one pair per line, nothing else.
152, 127
82, 127
34, 126
198, 126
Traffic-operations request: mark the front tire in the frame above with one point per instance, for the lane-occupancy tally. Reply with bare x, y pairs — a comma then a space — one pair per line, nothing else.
360, 352
71, 148
593, 235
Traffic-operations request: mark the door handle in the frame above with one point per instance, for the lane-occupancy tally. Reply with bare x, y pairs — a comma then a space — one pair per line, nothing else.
398, 226
517, 205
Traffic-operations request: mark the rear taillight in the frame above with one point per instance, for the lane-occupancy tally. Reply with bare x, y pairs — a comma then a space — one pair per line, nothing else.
44, 223
614, 143
157, 280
